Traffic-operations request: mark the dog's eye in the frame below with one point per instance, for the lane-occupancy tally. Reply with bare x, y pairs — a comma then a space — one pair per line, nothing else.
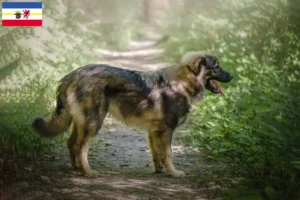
217, 67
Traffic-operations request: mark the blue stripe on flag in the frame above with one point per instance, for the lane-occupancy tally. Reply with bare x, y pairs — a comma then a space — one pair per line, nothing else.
21, 4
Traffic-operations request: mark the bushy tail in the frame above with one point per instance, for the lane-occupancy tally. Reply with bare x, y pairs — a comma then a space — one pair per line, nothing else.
59, 122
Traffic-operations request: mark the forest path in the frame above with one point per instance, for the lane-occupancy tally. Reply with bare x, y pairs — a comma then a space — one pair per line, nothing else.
121, 156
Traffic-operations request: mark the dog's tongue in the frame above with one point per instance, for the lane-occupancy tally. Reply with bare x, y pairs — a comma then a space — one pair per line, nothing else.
217, 87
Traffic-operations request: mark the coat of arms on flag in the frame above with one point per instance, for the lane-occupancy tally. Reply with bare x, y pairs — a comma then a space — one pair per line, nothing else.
22, 14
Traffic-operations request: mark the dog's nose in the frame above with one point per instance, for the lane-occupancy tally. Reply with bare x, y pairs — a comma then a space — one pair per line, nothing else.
230, 77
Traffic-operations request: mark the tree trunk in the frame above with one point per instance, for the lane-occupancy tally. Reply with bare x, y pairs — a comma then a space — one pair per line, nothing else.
155, 11
294, 10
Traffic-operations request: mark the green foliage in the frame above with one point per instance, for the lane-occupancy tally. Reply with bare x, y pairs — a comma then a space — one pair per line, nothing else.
18, 109
233, 194
255, 129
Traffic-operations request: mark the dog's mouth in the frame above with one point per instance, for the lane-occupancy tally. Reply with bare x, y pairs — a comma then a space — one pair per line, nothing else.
214, 87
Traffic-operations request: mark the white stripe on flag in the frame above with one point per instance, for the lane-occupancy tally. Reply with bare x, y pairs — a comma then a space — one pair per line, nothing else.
4, 10
14, 17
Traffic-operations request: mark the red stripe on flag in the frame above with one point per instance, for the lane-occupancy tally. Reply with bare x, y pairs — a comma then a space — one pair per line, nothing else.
22, 22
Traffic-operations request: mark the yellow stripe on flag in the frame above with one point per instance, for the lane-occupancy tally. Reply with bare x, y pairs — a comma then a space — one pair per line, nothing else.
12, 14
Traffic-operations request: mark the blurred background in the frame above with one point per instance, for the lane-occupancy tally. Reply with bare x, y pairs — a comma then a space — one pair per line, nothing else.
254, 130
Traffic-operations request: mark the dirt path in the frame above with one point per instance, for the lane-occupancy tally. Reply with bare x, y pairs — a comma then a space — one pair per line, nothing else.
121, 156
123, 161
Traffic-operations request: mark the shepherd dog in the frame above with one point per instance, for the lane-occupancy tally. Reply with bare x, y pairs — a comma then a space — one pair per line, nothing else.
155, 101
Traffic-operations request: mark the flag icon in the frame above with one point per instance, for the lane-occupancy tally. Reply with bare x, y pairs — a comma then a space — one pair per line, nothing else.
22, 14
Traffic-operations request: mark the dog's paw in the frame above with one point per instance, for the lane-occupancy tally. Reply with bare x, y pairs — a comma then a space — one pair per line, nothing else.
159, 170
75, 166
177, 173
91, 174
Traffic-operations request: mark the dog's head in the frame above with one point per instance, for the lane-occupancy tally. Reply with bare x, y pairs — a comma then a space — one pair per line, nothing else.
207, 68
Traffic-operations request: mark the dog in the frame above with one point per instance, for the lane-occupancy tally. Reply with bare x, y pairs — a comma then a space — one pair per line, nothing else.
155, 101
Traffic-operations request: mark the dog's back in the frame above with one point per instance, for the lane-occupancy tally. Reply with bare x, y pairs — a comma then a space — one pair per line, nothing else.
133, 97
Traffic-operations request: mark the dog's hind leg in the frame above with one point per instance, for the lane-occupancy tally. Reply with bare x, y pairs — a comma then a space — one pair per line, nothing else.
84, 148
162, 149
94, 116
73, 148
85, 136
88, 116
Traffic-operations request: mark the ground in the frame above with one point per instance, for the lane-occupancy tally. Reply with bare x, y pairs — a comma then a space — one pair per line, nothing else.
121, 157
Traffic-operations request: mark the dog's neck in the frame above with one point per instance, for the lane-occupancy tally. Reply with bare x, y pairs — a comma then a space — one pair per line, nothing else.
183, 81
179, 78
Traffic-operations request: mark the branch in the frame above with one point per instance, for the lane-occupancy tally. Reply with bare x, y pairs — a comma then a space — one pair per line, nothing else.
8, 68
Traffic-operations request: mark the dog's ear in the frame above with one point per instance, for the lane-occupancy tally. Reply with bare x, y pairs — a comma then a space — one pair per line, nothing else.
196, 64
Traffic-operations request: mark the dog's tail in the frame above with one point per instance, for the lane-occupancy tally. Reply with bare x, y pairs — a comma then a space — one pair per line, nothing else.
59, 121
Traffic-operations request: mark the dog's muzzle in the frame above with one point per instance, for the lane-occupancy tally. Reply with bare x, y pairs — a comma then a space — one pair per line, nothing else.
214, 87
223, 77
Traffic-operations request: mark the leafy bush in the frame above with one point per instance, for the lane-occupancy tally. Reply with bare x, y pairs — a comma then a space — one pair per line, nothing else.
255, 128
18, 109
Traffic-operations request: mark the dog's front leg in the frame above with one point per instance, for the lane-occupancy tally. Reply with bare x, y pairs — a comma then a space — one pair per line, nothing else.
162, 151
157, 161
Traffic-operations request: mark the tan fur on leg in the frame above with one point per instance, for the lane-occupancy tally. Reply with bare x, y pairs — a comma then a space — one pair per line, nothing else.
78, 144
157, 162
167, 160
83, 158
71, 146
162, 145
